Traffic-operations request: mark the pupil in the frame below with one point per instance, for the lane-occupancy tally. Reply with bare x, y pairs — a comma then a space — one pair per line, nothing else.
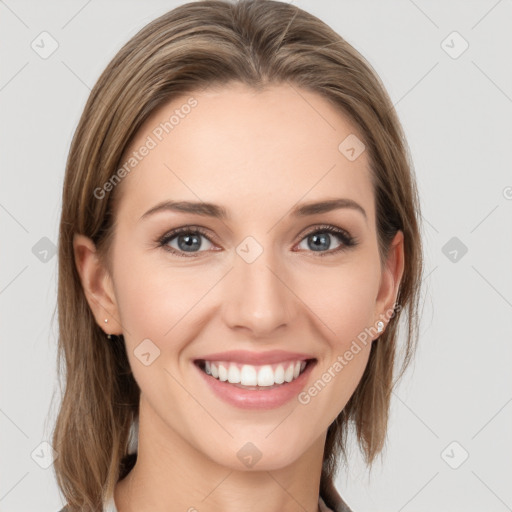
320, 240
190, 242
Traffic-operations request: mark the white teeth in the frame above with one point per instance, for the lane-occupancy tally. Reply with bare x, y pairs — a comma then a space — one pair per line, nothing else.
288, 374
249, 375
279, 374
266, 376
233, 374
223, 373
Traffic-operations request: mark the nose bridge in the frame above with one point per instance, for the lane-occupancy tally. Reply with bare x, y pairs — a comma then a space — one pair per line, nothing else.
257, 298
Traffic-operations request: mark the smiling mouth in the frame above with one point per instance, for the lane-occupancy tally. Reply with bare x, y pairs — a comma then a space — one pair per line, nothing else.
255, 377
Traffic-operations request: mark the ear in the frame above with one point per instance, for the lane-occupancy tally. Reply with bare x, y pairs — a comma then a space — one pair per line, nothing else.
97, 284
390, 280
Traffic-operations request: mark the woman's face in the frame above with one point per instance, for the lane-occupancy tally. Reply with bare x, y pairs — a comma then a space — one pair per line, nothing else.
264, 287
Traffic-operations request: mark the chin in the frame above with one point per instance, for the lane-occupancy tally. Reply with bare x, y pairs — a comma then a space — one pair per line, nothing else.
255, 453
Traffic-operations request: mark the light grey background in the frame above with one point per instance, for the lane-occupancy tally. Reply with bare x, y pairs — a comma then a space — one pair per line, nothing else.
456, 113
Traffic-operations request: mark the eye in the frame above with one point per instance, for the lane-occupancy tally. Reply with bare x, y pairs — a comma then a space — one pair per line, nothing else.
320, 239
186, 238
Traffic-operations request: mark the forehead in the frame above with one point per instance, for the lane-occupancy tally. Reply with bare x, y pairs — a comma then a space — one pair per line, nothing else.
257, 152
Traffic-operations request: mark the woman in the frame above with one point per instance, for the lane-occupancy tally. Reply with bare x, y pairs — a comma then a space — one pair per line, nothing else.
239, 238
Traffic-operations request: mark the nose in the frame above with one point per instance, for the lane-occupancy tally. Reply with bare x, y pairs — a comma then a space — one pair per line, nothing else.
258, 297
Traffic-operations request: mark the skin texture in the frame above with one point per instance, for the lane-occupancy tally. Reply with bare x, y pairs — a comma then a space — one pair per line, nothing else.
257, 154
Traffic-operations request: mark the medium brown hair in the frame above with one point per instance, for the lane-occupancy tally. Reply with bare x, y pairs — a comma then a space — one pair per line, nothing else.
196, 45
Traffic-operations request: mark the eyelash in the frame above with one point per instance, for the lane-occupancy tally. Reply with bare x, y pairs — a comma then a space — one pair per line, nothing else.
346, 239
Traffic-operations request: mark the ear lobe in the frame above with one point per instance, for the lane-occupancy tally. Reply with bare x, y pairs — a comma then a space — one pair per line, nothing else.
97, 284
391, 277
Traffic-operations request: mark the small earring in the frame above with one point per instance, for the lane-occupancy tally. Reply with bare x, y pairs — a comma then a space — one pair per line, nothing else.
108, 335
380, 326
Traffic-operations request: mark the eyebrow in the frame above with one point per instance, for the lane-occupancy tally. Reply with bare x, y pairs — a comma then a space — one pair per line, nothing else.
219, 212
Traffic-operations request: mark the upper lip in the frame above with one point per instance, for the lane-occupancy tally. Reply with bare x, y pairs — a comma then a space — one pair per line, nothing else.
256, 358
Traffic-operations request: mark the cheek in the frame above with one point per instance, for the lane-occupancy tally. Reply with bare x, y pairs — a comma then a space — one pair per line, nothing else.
155, 306
343, 300
159, 302
342, 297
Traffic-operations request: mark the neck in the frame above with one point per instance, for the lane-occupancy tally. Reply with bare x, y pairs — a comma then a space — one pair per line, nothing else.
171, 475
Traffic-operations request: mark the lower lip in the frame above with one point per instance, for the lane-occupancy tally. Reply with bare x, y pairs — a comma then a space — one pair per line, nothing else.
257, 398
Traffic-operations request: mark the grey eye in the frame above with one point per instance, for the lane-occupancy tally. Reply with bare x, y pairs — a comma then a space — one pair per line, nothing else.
187, 242
318, 241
